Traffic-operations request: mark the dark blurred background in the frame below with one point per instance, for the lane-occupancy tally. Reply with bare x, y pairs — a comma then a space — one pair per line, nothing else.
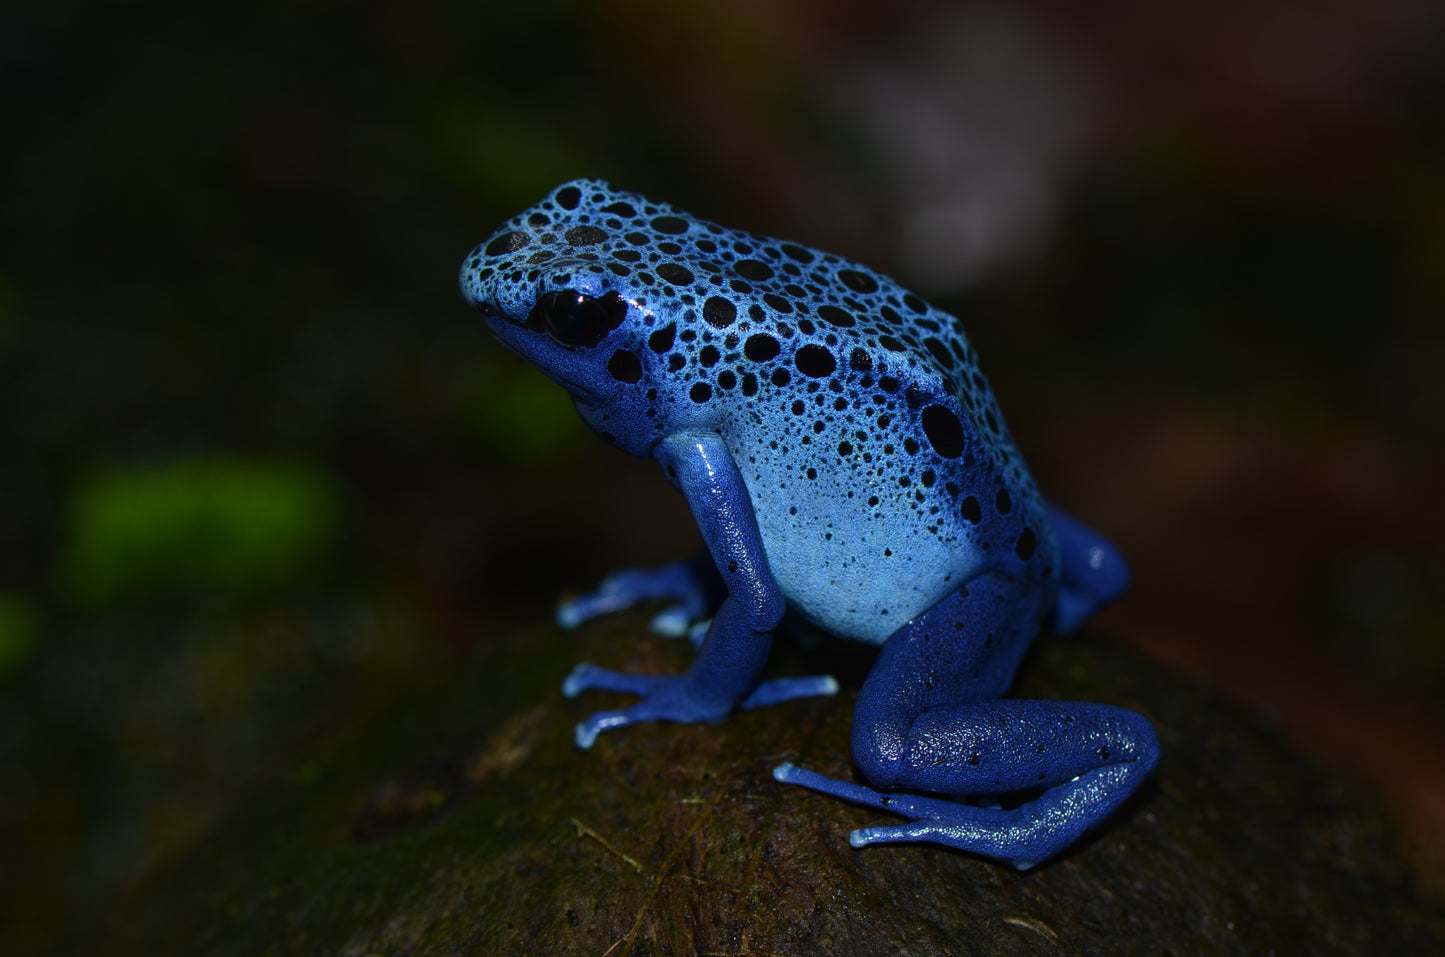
262, 474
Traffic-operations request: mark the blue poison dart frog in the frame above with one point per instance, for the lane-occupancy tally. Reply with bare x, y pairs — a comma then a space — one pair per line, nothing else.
844, 458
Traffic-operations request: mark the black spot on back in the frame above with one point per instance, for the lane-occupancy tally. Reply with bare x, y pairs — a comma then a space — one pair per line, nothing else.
858, 281
671, 225
752, 269
939, 352
507, 243
836, 316
760, 347
719, 312
584, 236
815, 361
944, 431
569, 198
675, 274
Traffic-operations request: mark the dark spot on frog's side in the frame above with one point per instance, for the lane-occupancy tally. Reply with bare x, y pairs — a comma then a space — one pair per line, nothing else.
625, 366
1026, 544
970, 510
944, 431
662, 340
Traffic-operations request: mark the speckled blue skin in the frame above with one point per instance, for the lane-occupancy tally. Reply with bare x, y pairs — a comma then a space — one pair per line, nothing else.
844, 458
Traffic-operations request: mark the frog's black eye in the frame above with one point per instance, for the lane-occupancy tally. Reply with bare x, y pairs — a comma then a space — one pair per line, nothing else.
573, 319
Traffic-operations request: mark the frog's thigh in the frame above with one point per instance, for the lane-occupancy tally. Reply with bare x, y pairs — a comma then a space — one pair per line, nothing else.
929, 716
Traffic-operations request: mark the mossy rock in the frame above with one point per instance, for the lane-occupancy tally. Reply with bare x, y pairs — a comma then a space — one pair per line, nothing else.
469, 823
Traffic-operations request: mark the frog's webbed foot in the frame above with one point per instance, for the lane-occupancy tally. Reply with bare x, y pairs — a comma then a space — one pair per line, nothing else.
666, 698
690, 586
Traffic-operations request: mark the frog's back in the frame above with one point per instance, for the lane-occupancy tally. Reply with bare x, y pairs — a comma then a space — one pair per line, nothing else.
877, 459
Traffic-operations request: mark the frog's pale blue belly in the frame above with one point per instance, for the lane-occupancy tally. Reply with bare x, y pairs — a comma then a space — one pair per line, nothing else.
856, 570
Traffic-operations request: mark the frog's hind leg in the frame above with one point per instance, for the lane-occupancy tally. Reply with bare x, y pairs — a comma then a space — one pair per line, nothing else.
928, 730
1092, 573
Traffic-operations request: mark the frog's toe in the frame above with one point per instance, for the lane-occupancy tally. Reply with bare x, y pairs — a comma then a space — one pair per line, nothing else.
630, 586
575, 611
587, 731
892, 834
786, 689
672, 622
589, 677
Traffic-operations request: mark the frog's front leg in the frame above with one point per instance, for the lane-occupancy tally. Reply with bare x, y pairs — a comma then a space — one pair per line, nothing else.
724, 675
927, 720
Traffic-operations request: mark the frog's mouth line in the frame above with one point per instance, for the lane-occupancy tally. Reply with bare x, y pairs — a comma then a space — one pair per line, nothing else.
525, 343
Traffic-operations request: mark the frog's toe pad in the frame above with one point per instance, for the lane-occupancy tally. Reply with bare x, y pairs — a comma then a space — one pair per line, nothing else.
672, 622
587, 731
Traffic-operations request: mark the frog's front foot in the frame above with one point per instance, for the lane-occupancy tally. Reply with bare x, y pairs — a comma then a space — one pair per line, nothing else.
666, 698
683, 584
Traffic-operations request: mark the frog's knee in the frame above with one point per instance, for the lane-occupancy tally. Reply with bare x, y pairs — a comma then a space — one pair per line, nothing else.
879, 748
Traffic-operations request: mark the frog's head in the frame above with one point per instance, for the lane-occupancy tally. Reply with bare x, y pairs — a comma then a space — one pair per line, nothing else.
548, 294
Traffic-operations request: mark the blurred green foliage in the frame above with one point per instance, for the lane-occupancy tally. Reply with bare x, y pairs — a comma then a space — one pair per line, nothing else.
528, 420
17, 631
222, 528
